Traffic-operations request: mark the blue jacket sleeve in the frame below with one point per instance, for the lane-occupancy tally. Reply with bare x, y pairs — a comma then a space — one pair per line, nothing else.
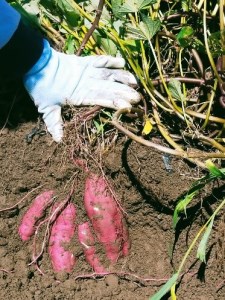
9, 21
20, 45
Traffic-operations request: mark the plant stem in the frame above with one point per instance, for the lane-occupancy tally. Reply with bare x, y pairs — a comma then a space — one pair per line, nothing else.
210, 105
93, 27
207, 45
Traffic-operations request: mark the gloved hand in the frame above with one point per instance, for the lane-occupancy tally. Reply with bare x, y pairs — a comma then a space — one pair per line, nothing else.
58, 79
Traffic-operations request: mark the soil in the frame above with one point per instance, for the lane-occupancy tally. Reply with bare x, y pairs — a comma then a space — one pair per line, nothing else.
147, 190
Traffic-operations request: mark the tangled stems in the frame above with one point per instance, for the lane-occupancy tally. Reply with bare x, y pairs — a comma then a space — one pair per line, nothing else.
136, 138
190, 155
155, 61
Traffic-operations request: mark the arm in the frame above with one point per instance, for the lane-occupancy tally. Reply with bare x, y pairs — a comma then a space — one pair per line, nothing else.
9, 21
54, 79
20, 46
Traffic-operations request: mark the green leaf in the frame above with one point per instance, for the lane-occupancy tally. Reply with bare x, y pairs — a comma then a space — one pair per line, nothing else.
184, 37
107, 113
70, 45
116, 6
175, 88
105, 43
68, 12
201, 252
131, 43
98, 126
165, 288
143, 4
108, 45
198, 45
65, 10
134, 6
215, 43
49, 10
32, 7
185, 200
214, 170
92, 6
118, 25
149, 27
130, 6
186, 5
182, 205
28, 18
135, 33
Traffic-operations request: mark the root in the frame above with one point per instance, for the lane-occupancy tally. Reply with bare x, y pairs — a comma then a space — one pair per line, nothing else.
20, 201
6, 271
158, 281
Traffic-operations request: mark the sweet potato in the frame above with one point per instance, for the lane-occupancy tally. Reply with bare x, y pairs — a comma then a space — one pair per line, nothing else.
106, 217
87, 240
34, 213
61, 234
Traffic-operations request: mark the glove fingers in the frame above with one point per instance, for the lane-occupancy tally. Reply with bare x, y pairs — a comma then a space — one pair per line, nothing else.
105, 93
53, 120
104, 61
121, 76
109, 103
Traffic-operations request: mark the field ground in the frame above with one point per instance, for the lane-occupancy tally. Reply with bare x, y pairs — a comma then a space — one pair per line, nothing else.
147, 191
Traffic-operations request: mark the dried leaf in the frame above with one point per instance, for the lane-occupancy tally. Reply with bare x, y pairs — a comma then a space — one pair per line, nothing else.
147, 127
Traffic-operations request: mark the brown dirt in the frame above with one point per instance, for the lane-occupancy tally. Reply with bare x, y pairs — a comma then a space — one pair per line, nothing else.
147, 192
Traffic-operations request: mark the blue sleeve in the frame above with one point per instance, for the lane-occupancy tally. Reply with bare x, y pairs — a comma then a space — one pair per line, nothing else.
20, 45
9, 21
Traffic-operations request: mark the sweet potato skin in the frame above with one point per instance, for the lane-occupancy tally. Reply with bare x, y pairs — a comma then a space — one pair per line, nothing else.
62, 232
33, 214
106, 218
87, 240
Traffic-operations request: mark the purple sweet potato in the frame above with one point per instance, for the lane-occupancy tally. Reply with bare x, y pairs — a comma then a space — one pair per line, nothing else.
106, 218
61, 234
34, 214
87, 240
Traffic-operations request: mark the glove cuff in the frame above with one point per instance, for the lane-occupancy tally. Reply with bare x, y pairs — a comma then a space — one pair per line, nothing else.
43, 60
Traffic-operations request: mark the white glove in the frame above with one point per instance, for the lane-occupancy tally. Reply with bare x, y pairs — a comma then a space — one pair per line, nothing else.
58, 79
